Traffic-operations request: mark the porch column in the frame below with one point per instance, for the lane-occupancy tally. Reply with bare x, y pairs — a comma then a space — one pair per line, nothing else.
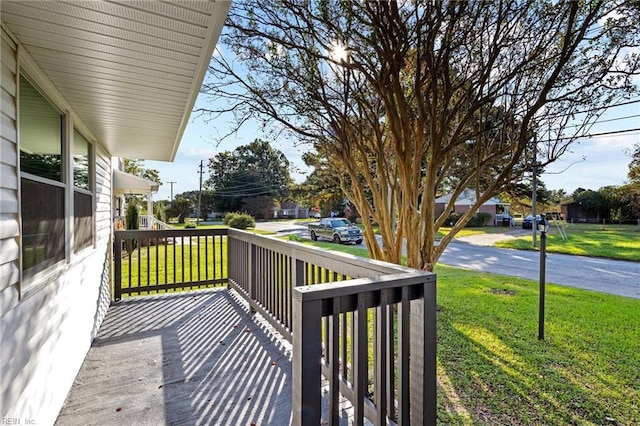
149, 209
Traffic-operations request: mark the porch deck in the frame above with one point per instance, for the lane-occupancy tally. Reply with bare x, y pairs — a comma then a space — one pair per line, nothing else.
337, 339
186, 358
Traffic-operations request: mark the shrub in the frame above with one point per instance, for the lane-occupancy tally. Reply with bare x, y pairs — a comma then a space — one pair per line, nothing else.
452, 219
131, 220
474, 222
132, 215
228, 218
239, 220
484, 218
190, 224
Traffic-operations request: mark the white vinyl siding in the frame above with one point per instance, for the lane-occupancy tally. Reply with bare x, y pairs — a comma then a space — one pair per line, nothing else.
46, 325
9, 225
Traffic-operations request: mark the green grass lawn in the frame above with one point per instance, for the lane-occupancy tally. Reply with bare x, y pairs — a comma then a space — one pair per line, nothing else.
493, 370
205, 260
610, 241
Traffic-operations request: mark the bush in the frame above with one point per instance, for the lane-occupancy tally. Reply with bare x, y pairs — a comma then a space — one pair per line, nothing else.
228, 218
452, 219
484, 218
132, 222
239, 220
132, 215
190, 224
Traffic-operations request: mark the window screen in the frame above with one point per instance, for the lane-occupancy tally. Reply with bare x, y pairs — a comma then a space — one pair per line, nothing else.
42, 225
83, 220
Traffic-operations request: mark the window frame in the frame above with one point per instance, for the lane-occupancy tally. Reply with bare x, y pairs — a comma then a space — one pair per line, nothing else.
40, 275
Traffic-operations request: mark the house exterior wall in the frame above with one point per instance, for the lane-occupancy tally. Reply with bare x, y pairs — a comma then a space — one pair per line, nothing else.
47, 324
491, 209
485, 208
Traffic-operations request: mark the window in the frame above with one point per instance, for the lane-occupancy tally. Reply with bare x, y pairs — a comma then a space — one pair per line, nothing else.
43, 190
80, 161
82, 198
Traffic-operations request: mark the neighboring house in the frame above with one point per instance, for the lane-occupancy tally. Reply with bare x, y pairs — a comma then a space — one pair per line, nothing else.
497, 209
573, 212
128, 184
291, 211
82, 83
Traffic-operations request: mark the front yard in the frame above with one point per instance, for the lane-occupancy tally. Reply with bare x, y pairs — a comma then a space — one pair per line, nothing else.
492, 369
609, 241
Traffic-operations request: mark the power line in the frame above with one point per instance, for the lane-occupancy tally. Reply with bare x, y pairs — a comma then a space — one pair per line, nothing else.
595, 109
607, 121
594, 135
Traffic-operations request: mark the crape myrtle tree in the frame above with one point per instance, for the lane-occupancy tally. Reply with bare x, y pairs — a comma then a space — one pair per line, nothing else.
410, 99
321, 188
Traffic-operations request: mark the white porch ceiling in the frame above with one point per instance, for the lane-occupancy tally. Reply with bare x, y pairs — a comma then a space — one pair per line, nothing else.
130, 69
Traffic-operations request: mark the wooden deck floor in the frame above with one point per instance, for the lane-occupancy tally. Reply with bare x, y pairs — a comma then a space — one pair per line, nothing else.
183, 359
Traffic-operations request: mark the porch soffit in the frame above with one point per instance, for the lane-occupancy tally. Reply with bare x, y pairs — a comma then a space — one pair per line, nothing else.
131, 70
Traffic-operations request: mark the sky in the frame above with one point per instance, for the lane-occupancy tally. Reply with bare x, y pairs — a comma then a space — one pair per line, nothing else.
590, 164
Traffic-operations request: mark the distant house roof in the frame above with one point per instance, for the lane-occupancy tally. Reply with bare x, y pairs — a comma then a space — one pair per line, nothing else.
468, 198
289, 206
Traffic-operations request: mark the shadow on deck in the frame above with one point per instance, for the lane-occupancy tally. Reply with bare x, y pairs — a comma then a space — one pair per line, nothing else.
319, 351
186, 358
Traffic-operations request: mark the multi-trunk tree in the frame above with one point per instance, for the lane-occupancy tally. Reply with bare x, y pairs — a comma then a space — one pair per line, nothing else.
410, 99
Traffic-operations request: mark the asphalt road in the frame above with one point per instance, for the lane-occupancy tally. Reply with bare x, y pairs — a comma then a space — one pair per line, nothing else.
607, 276
603, 275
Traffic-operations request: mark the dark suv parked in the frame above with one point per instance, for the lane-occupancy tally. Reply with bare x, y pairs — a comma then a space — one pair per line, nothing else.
527, 222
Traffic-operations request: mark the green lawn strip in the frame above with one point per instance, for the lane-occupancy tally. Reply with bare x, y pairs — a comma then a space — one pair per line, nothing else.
611, 241
178, 258
494, 370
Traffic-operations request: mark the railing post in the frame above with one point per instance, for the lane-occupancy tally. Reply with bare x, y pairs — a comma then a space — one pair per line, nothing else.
117, 282
307, 351
298, 277
252, 287
423, 357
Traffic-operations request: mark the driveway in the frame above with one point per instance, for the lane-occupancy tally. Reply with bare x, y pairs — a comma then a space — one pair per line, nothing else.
475, 252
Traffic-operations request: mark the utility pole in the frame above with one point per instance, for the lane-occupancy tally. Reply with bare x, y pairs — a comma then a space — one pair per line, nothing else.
534, 223
199, 194
171, 183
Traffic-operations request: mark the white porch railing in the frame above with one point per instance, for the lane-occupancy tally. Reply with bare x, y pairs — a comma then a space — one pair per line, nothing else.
143, 223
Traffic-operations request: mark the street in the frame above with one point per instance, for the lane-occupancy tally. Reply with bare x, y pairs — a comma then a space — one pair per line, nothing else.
604, 275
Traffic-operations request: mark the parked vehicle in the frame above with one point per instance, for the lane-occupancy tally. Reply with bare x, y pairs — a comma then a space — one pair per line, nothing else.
337, 229
527, 222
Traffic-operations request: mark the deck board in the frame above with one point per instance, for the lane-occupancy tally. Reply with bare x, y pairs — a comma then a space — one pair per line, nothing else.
187, 358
